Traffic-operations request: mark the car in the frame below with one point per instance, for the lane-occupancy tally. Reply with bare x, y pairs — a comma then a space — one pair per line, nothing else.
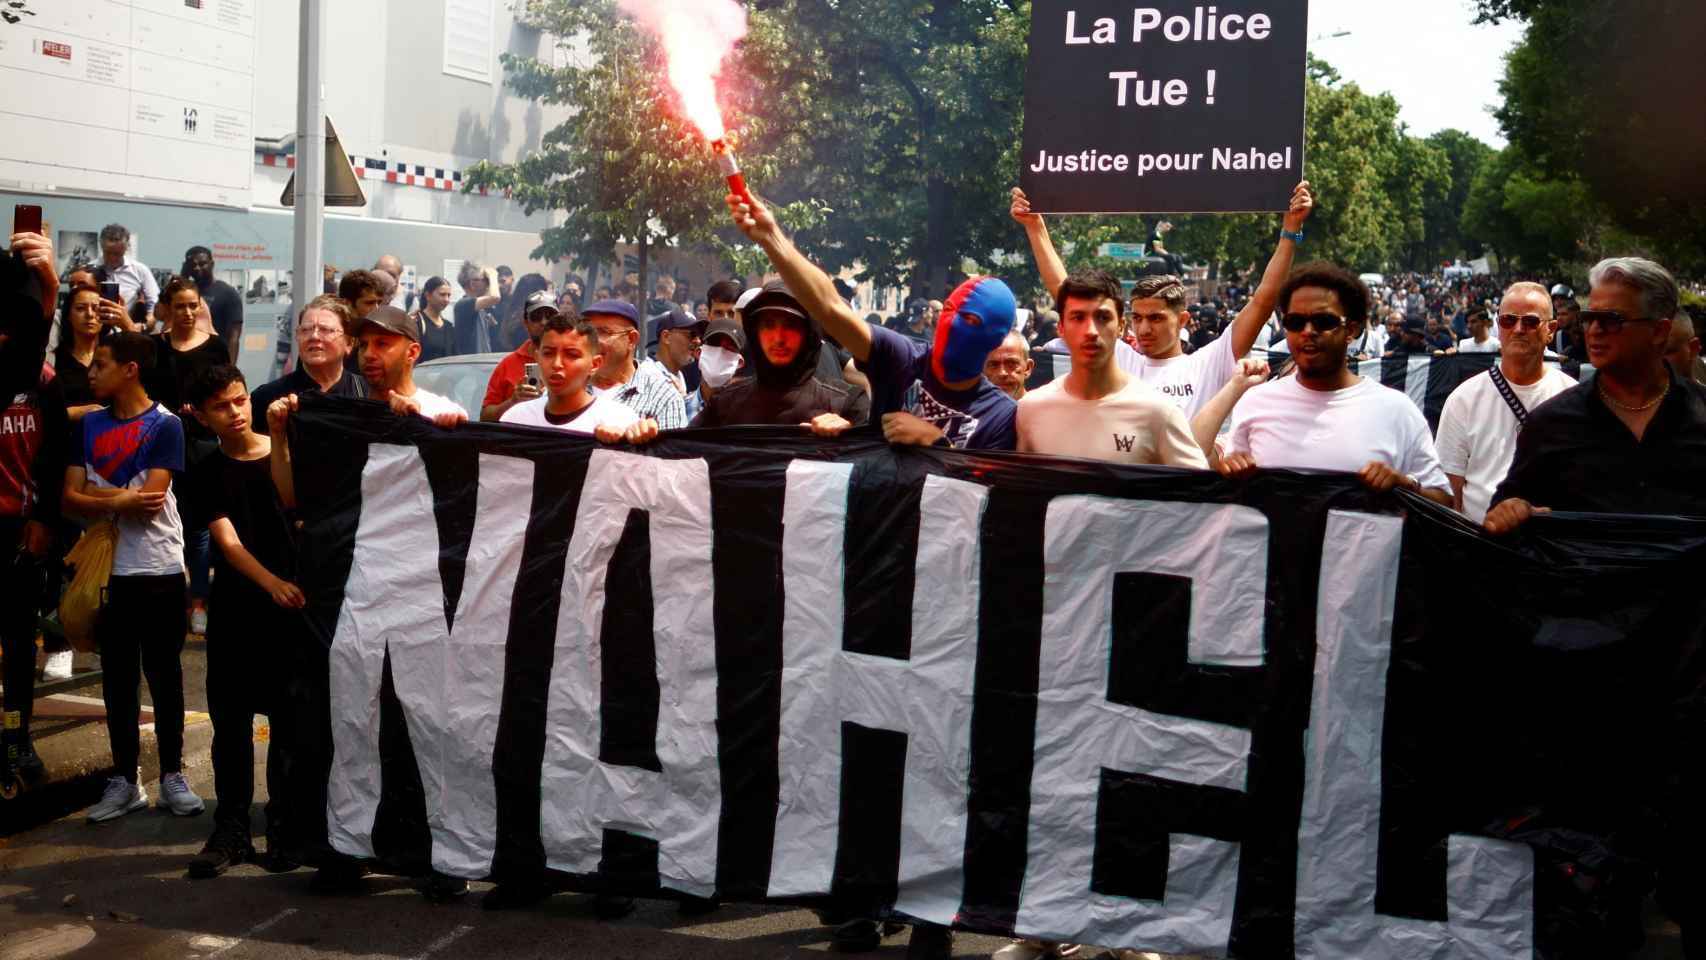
462, 379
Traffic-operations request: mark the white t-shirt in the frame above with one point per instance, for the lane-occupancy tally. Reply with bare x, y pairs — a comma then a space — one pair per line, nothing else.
1477, 433
433, 405
1468, 345
1190, 379
602, 411
1285, 424
1137, 424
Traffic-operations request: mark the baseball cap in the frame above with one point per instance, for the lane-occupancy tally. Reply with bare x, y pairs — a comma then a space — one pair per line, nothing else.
727, 327
541, 300
677, 319
775, 297
615, 308
748, 297
391, 320
1415, 323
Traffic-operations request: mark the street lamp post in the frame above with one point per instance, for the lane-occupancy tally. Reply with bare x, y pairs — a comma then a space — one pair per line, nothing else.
310, 216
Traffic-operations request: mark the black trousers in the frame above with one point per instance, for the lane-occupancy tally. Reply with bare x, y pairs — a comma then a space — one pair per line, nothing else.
249, 672
20, 592
142, 634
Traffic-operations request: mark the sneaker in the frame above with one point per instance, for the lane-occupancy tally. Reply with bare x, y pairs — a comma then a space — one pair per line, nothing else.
856, 936
119, 798
176, 796
198, 621
278, 858
227, 848
338, 877
27, 767
697, 906
58, 666
930, 941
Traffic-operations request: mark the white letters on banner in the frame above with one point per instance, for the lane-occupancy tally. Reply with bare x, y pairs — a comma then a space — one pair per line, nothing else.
1223, 550
450, 681
1489, 883
928, 697
581, 795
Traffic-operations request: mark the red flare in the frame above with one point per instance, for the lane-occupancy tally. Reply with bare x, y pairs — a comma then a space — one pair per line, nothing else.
731, 169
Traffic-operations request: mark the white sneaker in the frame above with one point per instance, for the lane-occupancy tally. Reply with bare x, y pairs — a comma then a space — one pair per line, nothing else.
198, 621
176, 796
58, 666
119, 798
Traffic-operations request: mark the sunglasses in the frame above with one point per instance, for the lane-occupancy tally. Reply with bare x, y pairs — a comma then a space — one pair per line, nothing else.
1322, 322
1609, 320
1529, 321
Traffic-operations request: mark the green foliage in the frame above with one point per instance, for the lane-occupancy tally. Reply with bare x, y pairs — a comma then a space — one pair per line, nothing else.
1601, 103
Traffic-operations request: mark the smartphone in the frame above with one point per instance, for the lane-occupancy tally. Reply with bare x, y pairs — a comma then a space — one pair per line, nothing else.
533, 377
110, 292
26, 218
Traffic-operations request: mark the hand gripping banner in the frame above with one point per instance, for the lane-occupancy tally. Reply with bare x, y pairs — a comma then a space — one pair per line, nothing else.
1116, 706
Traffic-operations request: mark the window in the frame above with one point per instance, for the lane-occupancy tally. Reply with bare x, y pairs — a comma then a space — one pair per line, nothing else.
468, 39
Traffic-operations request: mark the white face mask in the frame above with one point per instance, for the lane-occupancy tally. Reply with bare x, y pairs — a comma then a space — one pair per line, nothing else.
718, 365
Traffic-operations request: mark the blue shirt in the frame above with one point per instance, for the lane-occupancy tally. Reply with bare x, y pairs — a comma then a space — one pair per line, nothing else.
119, 454
982, 418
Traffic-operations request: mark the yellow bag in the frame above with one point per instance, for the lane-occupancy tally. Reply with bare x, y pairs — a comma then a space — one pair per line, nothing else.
80, 607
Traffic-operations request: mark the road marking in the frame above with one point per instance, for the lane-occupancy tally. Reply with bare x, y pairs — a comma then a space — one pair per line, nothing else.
443, 942
255, 930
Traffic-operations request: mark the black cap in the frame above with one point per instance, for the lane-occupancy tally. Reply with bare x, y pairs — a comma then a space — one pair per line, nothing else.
727, 327
677, 319
391, 320
776, 297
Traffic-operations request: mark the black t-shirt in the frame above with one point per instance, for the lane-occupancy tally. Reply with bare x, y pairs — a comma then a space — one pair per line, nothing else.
437, 340
72, 375
226, 306
242, 491
470, 322
175, 372
299, 382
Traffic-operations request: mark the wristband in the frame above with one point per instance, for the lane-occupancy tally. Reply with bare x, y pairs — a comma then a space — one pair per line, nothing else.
1296, 238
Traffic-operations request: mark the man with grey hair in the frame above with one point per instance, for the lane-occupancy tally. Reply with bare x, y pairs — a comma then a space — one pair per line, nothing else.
473, 313
1631, 438
1478, 428
136, 283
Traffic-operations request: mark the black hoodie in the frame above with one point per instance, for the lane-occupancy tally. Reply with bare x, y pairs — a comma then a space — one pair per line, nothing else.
786, 396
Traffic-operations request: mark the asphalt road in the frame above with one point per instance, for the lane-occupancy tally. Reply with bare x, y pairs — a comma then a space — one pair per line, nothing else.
133, 901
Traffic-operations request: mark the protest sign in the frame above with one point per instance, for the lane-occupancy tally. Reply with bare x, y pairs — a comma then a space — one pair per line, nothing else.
1135, 707
1153, 106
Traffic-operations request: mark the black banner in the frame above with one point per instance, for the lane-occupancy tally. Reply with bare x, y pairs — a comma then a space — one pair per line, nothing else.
1121, 706
1152, 106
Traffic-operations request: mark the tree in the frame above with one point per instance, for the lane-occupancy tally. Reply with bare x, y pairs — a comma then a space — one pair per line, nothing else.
1443, 216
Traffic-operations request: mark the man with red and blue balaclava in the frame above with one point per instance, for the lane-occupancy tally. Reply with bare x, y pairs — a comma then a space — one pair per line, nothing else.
925, 393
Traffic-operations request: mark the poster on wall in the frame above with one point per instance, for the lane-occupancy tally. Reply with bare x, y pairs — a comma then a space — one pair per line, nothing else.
165, 96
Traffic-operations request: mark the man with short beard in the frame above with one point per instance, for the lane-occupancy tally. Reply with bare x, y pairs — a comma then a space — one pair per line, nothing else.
323, 345
1327, 417
1478, 429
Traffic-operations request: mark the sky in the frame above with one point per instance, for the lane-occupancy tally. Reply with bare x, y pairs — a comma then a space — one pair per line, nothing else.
1443, 69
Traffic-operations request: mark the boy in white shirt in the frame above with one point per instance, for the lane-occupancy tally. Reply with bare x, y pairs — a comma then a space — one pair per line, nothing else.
1326, 417
1098, 411
568, 356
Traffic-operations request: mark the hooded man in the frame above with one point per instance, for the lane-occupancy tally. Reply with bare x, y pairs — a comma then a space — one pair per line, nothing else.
783, 387
926, 393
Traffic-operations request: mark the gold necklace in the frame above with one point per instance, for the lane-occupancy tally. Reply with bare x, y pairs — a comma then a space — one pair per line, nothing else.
1650, 404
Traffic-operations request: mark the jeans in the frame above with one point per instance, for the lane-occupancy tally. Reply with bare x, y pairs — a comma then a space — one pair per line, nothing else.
142, 634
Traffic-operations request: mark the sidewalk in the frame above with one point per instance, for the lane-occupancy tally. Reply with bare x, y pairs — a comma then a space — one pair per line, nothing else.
69, 732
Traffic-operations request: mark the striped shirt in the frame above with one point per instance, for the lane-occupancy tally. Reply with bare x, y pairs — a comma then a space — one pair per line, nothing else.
652, 394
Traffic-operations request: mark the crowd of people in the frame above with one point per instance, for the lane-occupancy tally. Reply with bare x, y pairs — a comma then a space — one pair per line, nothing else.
163, 436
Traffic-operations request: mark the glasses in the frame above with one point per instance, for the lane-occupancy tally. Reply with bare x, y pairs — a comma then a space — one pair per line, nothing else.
319, 331
1609, 320
1322, 322
1529, 321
